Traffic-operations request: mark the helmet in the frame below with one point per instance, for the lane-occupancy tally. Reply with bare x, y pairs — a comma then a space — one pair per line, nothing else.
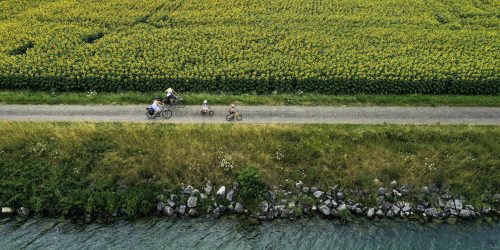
232, 105
157, 98
205, 102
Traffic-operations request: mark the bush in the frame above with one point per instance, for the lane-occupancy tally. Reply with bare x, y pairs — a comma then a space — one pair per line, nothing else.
251, 185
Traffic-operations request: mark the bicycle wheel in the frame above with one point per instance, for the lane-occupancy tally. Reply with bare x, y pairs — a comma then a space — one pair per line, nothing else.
166, 113
150, 116
229, 118
210, 113
239, 117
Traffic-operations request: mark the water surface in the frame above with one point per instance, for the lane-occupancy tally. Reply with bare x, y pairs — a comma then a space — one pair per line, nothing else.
228, 233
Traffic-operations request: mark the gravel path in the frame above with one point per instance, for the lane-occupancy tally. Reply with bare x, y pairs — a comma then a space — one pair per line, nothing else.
258, 114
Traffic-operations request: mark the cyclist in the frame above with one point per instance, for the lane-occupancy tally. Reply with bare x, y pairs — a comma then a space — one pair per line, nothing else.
205, 107
232, 109
170, 94
156, 105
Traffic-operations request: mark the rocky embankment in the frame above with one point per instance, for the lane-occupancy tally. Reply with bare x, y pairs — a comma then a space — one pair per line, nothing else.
427, 203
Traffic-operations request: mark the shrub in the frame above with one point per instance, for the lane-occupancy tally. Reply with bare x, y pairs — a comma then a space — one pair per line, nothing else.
251, 185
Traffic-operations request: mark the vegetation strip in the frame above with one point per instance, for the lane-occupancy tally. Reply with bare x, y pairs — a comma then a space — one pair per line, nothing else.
336, 47
111, 169
92, 97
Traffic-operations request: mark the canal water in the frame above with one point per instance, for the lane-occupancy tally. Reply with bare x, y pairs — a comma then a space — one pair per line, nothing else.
231, 233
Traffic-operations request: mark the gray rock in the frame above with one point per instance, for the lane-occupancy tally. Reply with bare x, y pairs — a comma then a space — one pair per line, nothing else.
420, 208
221, 192
160, 206
217, 212
449, 204
235, 185
458, 204
291, 205
426, 190
394, 183
469, 207
168, 211
238, 208
324, 210
396, 193
7, 210
192, 200
371, 212
453, 212
170, 203
496, 197
181, 210
23, 211
230, 196
328, 203
305, 190
395, 209
334, 203
264, 206
208, 188
203, 196
192, 212
318, 194
446, 196
486, 210
381, 191
299, 184
342, 207
188, 190
406, 207
464, 213
389, 214
314, 189
379, 213
358, 210
431, 212
340, 195
440, 202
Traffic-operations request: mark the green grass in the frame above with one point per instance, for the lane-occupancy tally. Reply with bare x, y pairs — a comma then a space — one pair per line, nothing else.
63, 168
88, 98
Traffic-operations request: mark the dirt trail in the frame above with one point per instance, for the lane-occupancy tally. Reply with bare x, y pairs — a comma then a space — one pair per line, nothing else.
258, 114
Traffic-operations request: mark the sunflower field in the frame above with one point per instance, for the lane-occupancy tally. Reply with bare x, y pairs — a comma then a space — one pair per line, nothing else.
252, 46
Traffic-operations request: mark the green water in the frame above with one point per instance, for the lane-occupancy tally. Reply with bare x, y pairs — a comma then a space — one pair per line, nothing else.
227, 233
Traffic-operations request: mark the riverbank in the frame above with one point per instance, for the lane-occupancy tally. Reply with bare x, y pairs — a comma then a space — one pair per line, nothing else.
89, 170
298, 99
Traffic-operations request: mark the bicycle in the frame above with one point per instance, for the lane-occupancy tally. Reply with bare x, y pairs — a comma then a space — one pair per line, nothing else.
236, 115
164, 112
179, 102
209, 112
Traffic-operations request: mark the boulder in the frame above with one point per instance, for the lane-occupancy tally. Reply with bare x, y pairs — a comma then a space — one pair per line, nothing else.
217, 212
299, 185
318, 194
381, 191
160, 206
396, 193
238, 208
394, 183
230, 196
203, 196
431, 212
314, 189
446, 196
358, 210
464, 213
7, 210
264, 206
208, 188
192, 212
389, 214
406, 207
192, 200
235, 185
188, 190
449, 204
328, 203
221, 192
181, 210
291, 205
23, 211
170, 203
305, 190
458, 204
340, 195
168, 211
420, 208
379, 213
371, 212
325, 210
486, 210
426, 190
342, 207
396, 209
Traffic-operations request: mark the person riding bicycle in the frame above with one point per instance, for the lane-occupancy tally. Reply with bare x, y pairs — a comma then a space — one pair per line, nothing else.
205, 106
156, 105
232, 109
170, 94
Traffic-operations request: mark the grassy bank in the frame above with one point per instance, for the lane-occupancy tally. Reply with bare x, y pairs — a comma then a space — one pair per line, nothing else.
31, 97
66, 168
